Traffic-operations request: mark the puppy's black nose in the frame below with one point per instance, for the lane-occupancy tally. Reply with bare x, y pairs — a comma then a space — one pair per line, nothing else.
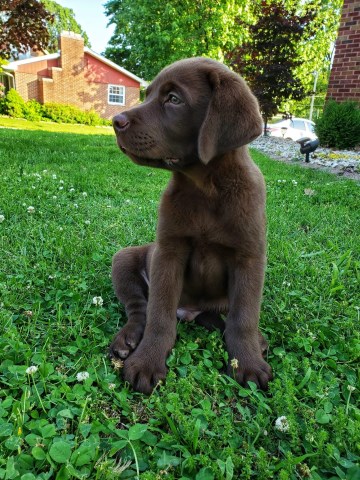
120, 123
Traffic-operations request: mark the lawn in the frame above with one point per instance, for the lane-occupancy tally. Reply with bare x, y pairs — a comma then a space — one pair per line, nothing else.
68, 201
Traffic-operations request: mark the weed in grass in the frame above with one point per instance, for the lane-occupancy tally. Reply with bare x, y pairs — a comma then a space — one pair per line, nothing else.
65, 411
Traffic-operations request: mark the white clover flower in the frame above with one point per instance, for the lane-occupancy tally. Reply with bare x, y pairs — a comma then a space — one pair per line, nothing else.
31, 209
54, 197
44, 171
81, 376
2, 218
31, 370
87, 222
112, 386
62, 182
282, 424
76, 205
84, 194
234, 363
312, 336
72, 190
351, 388
54, 176
61, 229
117, 363
61, 188
98, 301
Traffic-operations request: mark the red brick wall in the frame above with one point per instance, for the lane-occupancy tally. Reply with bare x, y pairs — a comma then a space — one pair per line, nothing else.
344, 81
27, 85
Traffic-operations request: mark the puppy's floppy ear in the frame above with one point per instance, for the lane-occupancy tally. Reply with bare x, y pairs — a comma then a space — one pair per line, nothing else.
232, 119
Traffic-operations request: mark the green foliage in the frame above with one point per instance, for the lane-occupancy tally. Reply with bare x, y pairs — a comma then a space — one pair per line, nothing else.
33, 111
63, 19
90, 200
182, 29
14, 106
315, 53
339, 125
150, 35
69, 114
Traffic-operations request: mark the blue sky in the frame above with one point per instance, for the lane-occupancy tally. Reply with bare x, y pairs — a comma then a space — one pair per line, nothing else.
90, 15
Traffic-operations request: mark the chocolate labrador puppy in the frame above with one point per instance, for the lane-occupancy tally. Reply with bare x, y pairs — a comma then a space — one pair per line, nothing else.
209, 253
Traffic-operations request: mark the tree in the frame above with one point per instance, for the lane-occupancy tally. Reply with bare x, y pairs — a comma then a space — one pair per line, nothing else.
64, 19
150, 34
23, 25
316, 49
271, 55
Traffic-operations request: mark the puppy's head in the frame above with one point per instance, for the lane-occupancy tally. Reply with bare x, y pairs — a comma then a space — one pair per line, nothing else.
195, 110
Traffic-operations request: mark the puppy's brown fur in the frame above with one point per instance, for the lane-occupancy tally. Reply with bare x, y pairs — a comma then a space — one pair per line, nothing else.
209, 253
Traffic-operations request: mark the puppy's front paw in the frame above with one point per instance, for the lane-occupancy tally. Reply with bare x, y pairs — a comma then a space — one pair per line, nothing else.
125, 341
250, 370
144, 371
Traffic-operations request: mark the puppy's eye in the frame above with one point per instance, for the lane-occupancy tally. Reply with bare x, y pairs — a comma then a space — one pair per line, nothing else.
174, 99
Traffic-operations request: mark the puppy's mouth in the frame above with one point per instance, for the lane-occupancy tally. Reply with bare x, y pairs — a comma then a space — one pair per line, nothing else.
167, 161
172, 162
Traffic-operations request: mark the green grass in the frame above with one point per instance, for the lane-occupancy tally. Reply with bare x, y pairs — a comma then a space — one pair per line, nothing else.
21, 123
89, 201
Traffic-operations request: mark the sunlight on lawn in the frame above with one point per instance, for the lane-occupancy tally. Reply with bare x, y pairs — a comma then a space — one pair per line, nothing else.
22, 124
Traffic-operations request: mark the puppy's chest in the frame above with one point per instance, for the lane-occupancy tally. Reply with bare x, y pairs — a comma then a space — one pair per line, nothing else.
204, 222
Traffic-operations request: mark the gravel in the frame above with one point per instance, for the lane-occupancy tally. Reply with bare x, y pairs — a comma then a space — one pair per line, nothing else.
340, 162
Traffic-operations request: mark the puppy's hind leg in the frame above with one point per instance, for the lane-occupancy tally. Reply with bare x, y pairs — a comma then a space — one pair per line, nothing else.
130, 283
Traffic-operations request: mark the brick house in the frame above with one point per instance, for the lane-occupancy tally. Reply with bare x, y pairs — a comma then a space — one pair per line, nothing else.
77, 76
344, 83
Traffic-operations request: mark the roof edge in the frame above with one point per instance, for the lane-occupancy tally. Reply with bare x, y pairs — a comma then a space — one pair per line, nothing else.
12, 66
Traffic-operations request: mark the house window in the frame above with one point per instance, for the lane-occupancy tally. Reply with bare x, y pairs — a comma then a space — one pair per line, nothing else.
116, 95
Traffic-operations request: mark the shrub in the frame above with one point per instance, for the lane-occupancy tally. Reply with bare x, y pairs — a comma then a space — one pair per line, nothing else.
339, 125
13, 104
33, 111
59, 113
69, 114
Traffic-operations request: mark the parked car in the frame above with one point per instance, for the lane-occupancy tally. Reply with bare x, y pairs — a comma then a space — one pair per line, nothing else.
293, 129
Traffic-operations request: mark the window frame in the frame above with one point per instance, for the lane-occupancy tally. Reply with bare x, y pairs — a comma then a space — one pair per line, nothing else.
110, 93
